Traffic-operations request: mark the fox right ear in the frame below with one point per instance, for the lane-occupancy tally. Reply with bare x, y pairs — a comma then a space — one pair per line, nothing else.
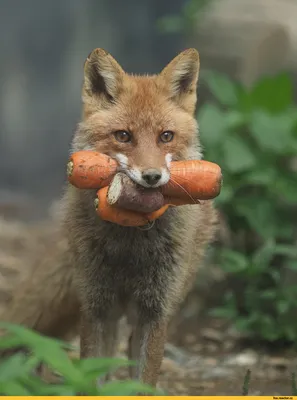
103, 77
181, 77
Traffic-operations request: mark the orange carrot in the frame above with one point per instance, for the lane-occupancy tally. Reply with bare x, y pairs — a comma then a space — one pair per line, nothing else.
157, 214
193, 179
189, 180
121, 216
90, 170
179, 201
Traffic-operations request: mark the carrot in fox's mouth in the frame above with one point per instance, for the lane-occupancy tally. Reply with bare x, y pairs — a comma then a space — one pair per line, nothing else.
191, 179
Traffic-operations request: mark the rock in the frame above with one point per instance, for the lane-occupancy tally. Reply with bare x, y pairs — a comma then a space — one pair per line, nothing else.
176, 354
169, 366
279, 362
217, 372
197, 348
228, 345
245, 359
211, 362
190, 339
213, 335
212, 348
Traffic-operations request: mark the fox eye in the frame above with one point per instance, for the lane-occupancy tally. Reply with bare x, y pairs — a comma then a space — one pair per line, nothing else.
166, 136
122, 136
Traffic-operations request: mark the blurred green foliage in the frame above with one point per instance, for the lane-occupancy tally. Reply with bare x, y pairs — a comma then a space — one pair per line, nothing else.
185, 21
17, 376
252, 135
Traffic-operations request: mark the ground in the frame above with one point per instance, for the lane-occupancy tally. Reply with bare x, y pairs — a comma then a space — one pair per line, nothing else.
204, 356
207, 357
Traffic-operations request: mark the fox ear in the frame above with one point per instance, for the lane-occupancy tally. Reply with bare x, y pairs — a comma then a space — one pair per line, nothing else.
181, 77
103, 77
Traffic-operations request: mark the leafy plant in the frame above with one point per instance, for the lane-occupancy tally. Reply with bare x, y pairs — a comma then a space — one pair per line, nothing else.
17, 376
252, 135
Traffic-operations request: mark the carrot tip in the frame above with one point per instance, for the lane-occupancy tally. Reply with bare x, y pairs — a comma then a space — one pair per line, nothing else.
70, 167
96, 203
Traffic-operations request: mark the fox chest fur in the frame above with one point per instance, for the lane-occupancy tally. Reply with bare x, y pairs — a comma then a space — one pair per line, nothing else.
118, 265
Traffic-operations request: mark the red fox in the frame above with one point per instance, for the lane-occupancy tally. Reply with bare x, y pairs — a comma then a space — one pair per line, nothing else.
104, 271
144, 122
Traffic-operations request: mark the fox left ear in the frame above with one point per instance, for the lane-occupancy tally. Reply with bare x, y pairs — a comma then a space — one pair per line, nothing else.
103, 78
181, 78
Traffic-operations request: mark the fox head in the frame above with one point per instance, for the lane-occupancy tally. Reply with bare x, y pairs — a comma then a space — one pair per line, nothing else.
144, 122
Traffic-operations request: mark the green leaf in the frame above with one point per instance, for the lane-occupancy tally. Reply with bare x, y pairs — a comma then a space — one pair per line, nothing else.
212, 123
272, 132
56, 390
33, 383
267, 327
260, 215
265, 175
285, 187
285, 228
94, 368
290, 332
286, 250
47, 350
238, 156
12, 367
233, 261
273, 94
8, 342
223, 312
282, 306
242, 324
222, 87
275, 275
226, 195
235, 119
14, 389
292, 265
263, 256
268, 294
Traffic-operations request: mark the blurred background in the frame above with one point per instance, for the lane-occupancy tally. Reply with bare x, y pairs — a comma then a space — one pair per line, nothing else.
243, 311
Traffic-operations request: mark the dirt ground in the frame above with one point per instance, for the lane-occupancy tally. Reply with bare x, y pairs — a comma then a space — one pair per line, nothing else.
206, 357
203, 356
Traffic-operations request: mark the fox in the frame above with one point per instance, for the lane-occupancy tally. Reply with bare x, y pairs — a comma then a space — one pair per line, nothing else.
100, 271
144, 122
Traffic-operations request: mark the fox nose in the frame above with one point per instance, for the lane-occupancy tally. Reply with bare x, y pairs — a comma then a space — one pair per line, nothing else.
151, 176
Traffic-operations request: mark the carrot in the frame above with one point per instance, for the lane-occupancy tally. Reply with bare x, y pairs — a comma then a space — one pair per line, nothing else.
157, 214
177, 201
191, 179
121, 216
90, 170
